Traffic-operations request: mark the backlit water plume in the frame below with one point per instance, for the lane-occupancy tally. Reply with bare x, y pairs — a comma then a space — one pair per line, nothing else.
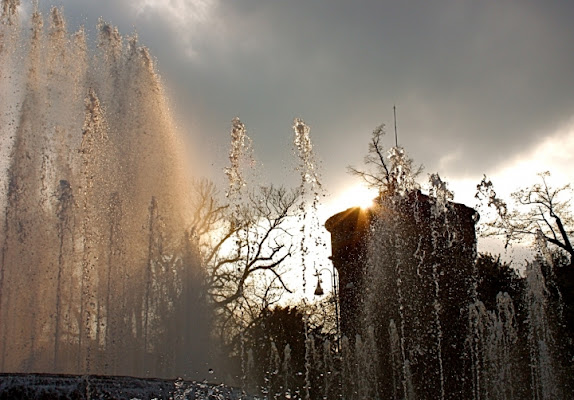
96, 272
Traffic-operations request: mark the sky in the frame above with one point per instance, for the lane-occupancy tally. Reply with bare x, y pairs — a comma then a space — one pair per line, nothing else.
480, 87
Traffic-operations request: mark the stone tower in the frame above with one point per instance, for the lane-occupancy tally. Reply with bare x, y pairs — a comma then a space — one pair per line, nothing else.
405, 270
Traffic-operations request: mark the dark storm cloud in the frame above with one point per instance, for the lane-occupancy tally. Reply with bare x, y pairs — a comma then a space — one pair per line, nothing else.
474, 82
484, 79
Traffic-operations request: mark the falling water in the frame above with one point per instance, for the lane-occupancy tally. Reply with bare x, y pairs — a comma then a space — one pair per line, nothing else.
495, 360
540, 338
420, 257
240, 154
287, 371
310, 189
97, 273
329, 371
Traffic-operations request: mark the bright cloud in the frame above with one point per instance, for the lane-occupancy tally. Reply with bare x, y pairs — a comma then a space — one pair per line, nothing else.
182, 12
553, 154
186, 17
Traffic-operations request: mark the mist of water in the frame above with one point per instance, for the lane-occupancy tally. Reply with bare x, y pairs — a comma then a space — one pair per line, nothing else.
97, 273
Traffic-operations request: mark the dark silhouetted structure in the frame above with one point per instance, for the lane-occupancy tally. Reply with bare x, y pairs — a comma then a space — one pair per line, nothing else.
405, 270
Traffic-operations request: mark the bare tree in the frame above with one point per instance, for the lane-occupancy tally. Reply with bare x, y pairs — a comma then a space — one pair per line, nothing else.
244, 248
390, 171
542, 212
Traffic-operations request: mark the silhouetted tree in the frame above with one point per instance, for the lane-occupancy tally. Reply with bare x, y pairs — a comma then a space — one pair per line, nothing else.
496, 276
389, 171
542, 213
243, 248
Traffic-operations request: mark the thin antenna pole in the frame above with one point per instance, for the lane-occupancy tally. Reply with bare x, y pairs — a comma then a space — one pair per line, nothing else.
395, 115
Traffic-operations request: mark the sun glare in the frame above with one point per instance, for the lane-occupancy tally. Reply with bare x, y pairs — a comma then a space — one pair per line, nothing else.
357, 195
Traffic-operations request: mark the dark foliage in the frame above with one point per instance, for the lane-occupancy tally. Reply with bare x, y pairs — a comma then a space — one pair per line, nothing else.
285, 354
495, 276
559, 276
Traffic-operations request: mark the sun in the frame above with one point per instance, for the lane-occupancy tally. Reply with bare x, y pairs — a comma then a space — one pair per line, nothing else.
358, 195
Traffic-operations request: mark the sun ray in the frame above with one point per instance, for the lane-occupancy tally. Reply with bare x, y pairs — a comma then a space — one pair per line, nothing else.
358, 195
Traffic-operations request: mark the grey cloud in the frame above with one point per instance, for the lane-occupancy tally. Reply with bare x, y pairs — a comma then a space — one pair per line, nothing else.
481, 79
489, 79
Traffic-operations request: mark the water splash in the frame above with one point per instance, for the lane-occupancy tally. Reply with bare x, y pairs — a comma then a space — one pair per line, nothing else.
440, 194
311, 190
493, 344
544, 383
308, 165
93, 248
240, 153
9, 9
402, 177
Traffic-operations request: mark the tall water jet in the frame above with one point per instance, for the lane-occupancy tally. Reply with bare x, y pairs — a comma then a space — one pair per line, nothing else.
311, 189
418, 284
97, 273
544, 376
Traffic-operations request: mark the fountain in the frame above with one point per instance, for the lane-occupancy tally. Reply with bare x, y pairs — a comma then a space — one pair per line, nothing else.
97, 275
408, 279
